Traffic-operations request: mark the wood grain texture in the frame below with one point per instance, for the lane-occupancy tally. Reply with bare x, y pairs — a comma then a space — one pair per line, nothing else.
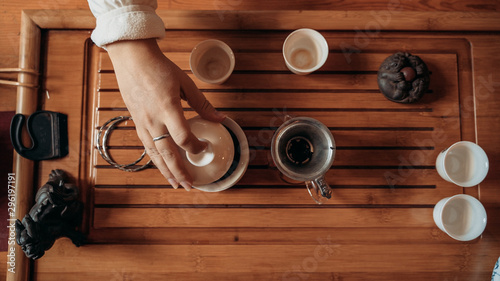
256, 258
391, 18
10, 22
332, 119
261, 217
24, 169
290, 195
345, 156
325, 256
290, 275
126, 138
432, 5
64, 72
486, 92
340, 176
244, 233
341, 95
262, 236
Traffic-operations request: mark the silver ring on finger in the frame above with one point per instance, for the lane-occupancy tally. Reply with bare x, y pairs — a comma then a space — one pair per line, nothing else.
161, 137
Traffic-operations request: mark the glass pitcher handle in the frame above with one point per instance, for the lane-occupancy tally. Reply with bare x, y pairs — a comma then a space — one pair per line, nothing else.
287, 117
319, 190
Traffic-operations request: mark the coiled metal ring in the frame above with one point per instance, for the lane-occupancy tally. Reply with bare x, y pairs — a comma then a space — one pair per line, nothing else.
106, 128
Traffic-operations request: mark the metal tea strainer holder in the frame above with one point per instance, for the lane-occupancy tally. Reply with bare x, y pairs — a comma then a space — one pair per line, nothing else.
303, 149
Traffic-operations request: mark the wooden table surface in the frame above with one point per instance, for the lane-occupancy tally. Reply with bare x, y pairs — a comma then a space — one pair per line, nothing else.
378, 225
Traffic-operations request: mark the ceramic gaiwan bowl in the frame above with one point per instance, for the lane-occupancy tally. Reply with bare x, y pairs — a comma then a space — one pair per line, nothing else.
224, 161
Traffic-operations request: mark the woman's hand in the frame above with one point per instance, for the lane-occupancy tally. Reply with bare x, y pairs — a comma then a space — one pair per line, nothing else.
152, 87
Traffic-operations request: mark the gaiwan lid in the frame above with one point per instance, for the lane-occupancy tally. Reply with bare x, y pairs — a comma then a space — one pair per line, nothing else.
212, 163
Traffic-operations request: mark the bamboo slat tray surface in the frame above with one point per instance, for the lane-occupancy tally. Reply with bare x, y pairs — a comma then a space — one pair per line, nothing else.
386, 151
383, 178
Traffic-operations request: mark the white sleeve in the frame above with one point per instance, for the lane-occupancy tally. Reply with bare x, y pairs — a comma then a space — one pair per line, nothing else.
125, 20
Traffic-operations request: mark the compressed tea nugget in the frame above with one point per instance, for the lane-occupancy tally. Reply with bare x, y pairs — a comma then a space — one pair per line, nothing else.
403, 78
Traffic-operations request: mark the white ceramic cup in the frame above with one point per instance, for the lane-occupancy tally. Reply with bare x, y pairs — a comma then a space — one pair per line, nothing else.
464, 163
212, 61
305, 50
462, 217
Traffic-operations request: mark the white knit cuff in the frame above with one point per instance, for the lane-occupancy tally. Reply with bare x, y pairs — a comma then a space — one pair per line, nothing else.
127, 23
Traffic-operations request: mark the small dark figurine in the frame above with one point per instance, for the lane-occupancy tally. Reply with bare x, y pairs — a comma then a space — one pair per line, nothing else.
56, 214
403, 78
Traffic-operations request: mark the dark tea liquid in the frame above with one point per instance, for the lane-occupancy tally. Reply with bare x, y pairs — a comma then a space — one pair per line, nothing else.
299, 150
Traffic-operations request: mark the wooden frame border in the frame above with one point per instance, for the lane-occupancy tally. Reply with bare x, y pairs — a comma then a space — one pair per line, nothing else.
390, 19
33, 21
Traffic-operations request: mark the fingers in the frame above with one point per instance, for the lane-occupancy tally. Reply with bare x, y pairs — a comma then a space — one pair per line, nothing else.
166, 157
198, 102
180, 131
171, 156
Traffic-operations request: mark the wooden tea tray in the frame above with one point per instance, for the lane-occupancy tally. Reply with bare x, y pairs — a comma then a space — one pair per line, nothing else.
377, 224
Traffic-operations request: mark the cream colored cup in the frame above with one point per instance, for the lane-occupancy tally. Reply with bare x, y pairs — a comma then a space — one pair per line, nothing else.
462, 217
464, 163
212, 61
305, 50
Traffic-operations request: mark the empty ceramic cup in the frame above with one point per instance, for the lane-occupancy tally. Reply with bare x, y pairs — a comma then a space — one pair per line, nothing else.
224, 161
464, 163
305, 50
462, 217
212, 61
